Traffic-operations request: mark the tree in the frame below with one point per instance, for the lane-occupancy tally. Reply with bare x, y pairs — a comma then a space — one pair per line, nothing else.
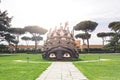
3, 48
10, 39
5, 21
4, 24
36, 32
17, 32
115, 40
113, 44
83, 36
36, 39
103, 35
25, 38
115, 26
86, 26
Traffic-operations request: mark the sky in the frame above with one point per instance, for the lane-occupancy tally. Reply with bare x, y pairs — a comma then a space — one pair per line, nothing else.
50, 13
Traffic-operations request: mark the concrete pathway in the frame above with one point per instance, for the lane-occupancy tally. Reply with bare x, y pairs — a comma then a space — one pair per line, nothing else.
62, 71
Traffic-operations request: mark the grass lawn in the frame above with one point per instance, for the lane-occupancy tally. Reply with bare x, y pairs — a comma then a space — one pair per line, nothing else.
99, 66
17, 66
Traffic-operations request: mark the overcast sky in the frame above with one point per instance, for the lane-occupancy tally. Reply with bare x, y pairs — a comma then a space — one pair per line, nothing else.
49, 13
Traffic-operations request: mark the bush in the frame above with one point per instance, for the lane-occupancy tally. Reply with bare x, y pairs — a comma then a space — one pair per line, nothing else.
94, 50
3, 48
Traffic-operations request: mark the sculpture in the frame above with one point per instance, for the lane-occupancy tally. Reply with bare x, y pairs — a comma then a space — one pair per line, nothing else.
60, 44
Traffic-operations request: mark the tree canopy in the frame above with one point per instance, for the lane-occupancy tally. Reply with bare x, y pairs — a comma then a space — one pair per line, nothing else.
83, 36
115, 26
4, 21
38, 38
87, 26
25, 38
104, 34
35, 30
17, 31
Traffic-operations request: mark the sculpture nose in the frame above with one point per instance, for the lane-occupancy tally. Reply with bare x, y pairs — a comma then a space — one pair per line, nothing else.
59, 55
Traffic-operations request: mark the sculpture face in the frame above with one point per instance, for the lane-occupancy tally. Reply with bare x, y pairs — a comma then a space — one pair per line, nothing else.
59, 54
60, 45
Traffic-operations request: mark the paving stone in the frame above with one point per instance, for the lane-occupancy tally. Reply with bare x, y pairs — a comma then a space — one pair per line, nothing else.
62, 71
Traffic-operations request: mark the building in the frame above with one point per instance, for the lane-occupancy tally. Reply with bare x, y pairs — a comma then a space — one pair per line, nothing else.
81, 47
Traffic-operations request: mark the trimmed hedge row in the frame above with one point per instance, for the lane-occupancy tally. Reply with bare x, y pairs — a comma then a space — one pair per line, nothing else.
98, 50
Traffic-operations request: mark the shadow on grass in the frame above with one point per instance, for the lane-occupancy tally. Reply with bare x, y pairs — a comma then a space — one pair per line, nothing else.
63, 60
78, 60
4, 55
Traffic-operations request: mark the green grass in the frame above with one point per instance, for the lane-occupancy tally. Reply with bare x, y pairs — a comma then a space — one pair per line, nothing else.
11, 69
94, 69
100, 70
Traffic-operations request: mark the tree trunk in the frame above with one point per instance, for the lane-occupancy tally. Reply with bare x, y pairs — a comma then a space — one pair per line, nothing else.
83, 42
88, 45
103, 41
27, 46
35, 46
16, 46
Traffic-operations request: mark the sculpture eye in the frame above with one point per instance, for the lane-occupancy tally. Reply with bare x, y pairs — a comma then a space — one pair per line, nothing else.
52, 55
66, 55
